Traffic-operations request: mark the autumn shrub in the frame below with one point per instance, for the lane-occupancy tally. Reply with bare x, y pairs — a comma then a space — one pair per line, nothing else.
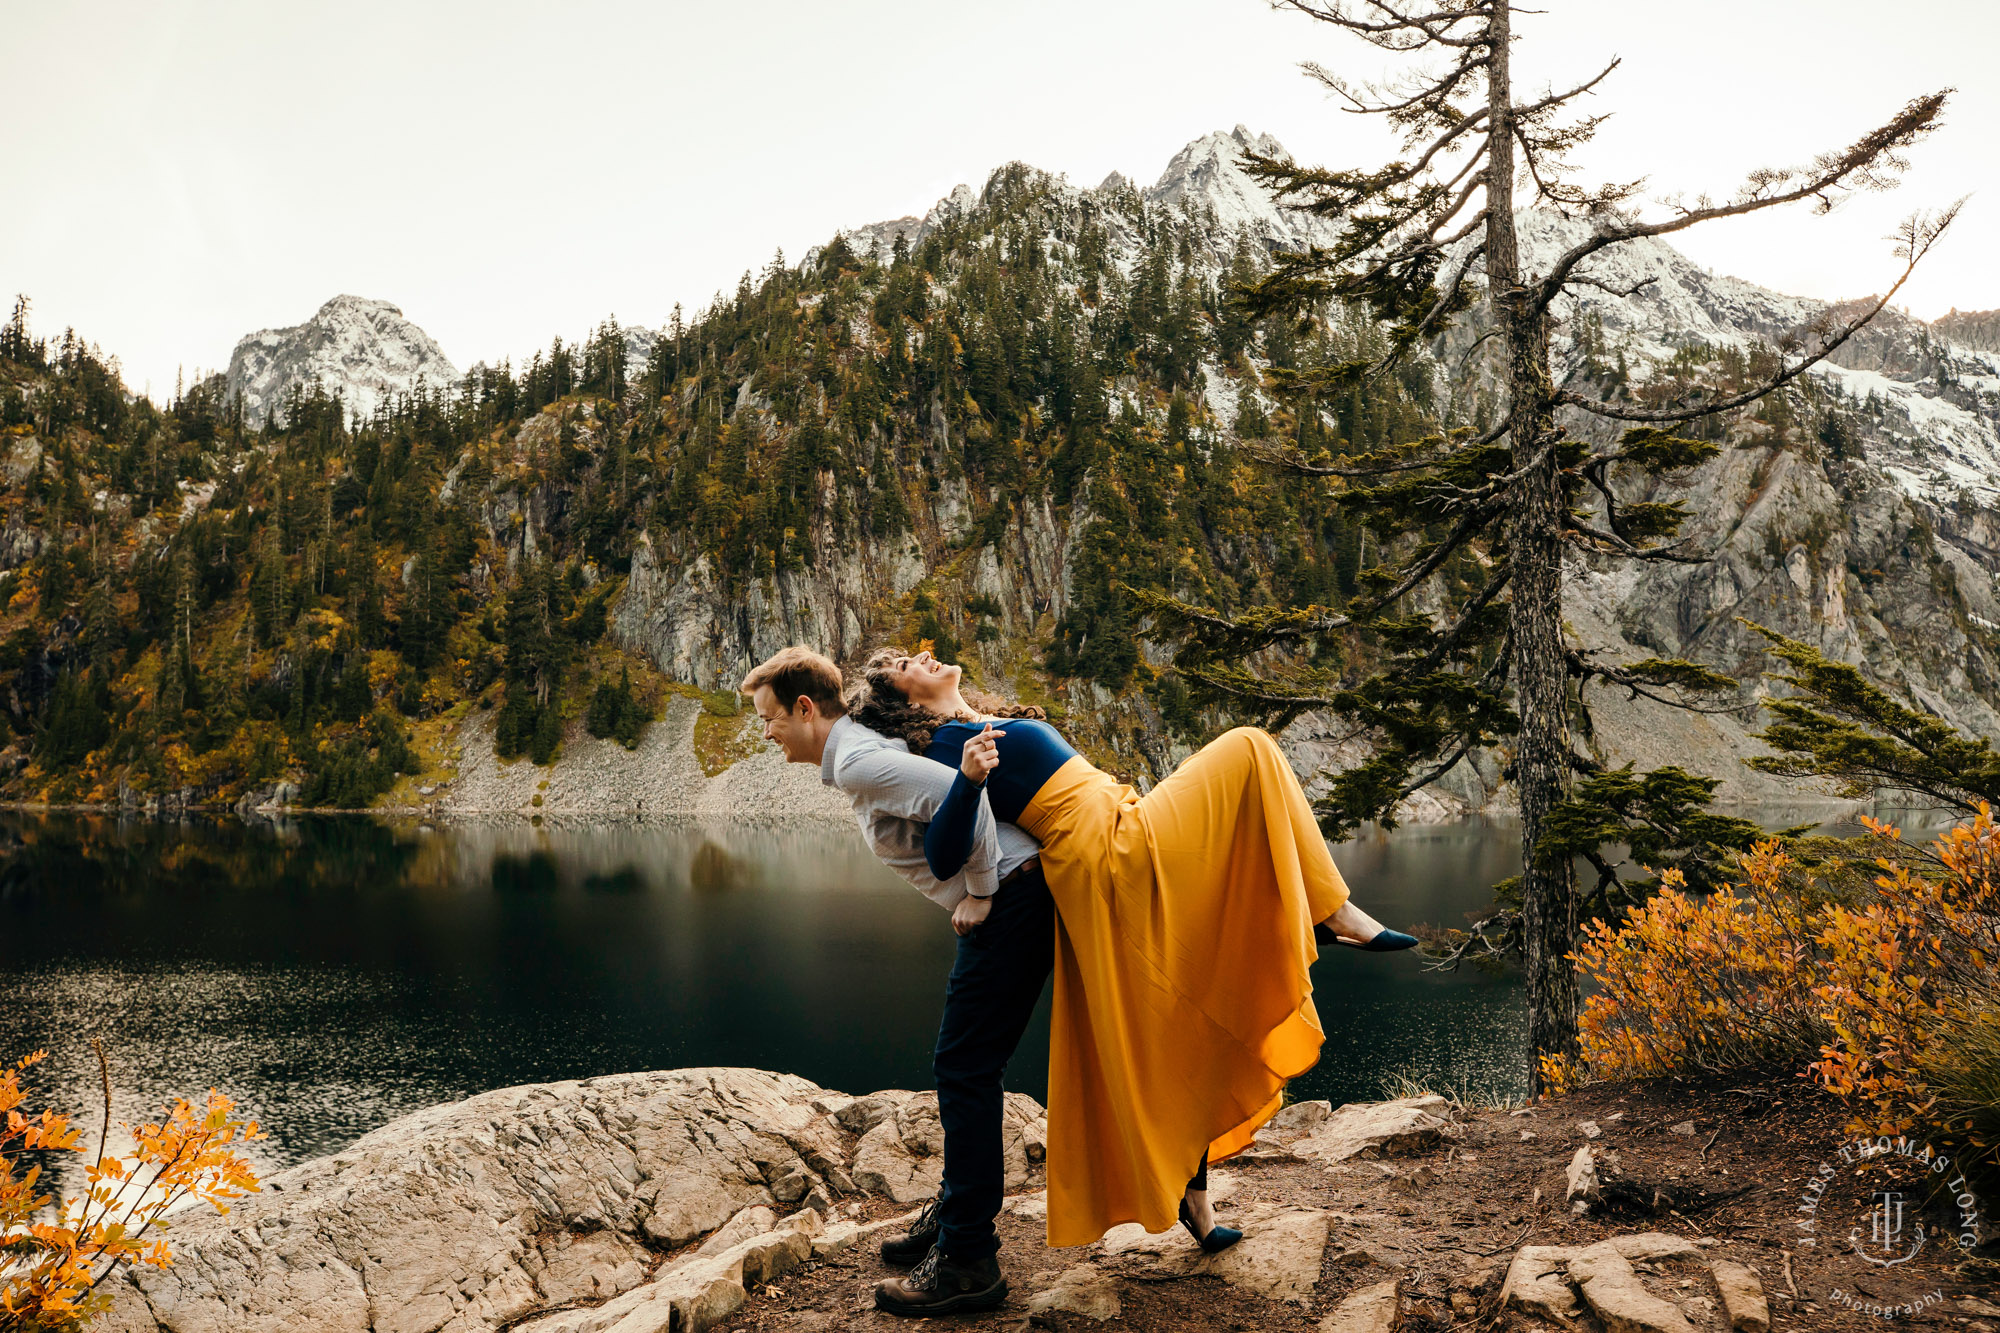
1893, 1003
55, 1262
1688, 982
1911, 977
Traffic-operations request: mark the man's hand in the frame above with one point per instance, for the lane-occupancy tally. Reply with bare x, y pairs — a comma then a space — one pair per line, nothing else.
969, 913
981, 756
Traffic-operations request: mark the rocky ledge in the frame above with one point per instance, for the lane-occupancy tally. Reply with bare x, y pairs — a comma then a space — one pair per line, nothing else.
637, 1201
686, 1200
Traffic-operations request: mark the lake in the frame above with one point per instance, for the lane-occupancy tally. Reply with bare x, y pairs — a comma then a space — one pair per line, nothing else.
333, 973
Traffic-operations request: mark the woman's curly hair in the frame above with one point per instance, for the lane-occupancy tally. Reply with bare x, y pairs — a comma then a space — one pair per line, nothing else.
876, 703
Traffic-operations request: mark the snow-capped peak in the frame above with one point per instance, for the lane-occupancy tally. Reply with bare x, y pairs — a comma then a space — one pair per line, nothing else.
1203, 174
363, 349
1206, 173
1936, 402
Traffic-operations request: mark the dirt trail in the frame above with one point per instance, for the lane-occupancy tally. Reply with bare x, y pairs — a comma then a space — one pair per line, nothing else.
1423, 1242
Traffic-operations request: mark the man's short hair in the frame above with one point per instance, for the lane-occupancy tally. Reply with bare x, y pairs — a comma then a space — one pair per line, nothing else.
795, 671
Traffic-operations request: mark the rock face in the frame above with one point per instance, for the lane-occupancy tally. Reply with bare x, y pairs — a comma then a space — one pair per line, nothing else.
1970, 328
1278, 1258
486, 1212
1316, 1132
1861, 523
364, 350
1557, 1282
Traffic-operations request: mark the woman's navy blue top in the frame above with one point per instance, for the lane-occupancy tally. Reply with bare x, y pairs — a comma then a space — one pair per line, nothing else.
1030, 753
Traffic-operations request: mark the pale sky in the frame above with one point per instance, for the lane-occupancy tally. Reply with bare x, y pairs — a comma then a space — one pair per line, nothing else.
182, 173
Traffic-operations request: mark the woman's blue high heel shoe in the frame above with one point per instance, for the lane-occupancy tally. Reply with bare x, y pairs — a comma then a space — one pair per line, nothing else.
1385, 940
1218, 1237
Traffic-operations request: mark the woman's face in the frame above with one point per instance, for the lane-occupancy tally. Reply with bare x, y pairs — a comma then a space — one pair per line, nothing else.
923, 679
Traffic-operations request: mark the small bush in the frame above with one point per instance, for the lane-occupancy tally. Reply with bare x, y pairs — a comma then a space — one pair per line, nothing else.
1892, 1003
51, 1270
1694, 983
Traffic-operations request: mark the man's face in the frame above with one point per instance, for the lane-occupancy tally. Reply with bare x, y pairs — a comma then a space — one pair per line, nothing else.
788, 729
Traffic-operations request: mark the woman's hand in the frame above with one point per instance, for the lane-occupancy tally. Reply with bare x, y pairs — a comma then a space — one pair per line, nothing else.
981, 755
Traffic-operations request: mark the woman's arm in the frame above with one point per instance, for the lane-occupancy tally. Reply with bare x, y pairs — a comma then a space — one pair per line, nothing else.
949, 839
894, 782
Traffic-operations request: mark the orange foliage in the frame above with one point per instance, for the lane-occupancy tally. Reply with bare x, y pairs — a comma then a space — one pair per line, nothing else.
51, 1269
1705, 983
1754, 972
229, 770
1909, 971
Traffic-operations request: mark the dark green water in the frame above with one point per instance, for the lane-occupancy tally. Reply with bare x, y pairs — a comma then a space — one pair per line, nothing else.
332, 974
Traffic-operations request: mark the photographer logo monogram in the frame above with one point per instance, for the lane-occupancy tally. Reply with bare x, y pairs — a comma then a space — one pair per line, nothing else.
1885, 1227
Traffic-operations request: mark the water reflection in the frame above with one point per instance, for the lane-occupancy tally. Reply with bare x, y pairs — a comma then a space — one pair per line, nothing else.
335, 973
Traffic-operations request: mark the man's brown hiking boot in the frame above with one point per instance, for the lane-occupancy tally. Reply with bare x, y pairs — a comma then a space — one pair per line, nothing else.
943, 1285
914, 1244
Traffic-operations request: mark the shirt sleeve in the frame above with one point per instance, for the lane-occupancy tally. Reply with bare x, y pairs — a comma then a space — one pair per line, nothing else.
910, 786
948, 840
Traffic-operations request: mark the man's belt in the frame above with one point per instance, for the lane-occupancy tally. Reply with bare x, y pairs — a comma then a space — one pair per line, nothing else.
1028, 867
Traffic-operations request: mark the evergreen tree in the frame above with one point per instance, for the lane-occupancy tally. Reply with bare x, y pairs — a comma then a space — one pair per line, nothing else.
77, 722
1479, 518
614, 712
537, 653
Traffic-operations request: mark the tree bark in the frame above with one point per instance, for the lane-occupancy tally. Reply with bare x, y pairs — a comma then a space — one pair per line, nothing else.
1534, 541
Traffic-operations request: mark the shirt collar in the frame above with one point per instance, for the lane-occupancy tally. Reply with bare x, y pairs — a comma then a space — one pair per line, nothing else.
829, 756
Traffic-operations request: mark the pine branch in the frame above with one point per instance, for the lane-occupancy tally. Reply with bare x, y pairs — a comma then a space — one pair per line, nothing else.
1917, 233
1670, 552
1865, 165
1845, 728
1640, 678
1251, 631
1364, 467
1278, 693
1395, 29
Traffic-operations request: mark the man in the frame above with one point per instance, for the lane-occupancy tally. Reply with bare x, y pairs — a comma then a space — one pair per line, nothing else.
1005, 920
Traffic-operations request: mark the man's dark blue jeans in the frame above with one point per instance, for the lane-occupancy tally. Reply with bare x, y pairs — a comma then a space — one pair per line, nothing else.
995, 983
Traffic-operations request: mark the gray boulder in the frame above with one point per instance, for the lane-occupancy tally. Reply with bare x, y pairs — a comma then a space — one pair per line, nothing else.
495, 1211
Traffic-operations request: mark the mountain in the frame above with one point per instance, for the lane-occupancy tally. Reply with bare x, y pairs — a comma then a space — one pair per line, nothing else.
1047, 401
1203, 179
1205, 176
1936, 397
1971, 328
364, 350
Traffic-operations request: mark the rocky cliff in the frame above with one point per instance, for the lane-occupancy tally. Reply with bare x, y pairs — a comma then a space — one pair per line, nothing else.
1856, 515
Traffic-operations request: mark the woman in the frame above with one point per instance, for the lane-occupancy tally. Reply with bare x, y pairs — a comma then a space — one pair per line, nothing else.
1187, 925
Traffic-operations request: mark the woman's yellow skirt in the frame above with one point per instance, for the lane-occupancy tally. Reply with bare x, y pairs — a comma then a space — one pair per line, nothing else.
1183, 999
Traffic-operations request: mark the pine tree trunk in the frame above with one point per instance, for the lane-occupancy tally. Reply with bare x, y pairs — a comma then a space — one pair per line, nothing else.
1534, 541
